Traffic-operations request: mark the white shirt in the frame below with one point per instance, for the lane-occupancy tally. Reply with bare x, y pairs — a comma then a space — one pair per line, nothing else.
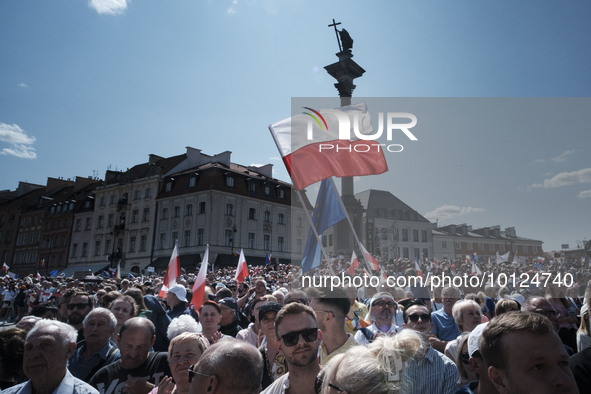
362, 340
279, 386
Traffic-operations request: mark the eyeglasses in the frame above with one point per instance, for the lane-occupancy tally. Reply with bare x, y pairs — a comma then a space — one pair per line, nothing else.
192, 372
383, 304
415, 318
318, 385
300, 300
71, 307
547, 313
465, 358
292, 338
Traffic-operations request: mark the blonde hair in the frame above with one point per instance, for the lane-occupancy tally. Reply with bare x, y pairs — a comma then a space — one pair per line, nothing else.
202, 342
365, 370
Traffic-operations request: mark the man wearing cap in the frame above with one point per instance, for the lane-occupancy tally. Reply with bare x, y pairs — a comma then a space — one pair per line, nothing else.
382, 312
274, 364
428, 370
331, 308
176, 299
483, 385
229, 324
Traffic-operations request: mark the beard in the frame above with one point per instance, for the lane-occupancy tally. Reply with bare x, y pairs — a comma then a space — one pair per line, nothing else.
304, 359
75, 318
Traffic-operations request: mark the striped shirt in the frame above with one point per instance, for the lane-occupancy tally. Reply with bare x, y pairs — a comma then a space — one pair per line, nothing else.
433, 374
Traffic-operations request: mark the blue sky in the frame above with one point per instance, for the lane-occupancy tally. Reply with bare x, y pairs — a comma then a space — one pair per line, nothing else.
85, 85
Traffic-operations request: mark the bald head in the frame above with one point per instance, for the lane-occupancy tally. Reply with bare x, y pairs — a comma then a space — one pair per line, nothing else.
243, 359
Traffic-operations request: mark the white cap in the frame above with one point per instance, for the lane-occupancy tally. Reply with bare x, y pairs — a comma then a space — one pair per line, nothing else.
474, 338
516, 297
179, 291
584, 309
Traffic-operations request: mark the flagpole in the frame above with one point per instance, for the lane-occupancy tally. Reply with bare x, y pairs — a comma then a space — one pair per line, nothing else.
315, 231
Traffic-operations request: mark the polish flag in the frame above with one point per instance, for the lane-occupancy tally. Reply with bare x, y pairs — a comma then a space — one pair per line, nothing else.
354, 264
38, 276
242, 269
5, 267
317, 144
118, 271
173, 271
369, 258
475, 269
418, 269
200, 282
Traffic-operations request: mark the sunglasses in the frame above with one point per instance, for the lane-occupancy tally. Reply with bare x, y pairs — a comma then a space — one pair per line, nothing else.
318, 385
291, 338
71, 307
383, 304
465, 358
192, 373
415, 318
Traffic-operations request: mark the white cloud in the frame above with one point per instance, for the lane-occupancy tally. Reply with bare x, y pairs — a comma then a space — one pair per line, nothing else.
232, 9
563, 157
109, 7
450, 211
566, 179
537, 161
22, 85
18, 140
585, 194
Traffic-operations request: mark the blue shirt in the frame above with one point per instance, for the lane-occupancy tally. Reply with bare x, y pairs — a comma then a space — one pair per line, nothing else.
434, 373
69, 385
82, 371
444, 326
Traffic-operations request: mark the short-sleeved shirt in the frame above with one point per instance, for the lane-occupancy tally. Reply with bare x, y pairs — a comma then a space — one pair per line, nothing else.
68, 385
434, 373
107, 355
110, 379
444, 326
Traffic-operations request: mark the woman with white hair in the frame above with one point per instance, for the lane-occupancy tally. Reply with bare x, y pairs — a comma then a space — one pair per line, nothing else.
467, 315
181, 324
375, 369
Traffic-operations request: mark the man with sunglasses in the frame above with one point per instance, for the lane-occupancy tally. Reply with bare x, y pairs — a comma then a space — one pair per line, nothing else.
542, 306
382, 311
298, 339
79, 306
428, 370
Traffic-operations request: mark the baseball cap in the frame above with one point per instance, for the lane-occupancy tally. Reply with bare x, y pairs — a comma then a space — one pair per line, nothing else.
268, 307
475, 337
516, 297
179, 291
230, 303
383, 294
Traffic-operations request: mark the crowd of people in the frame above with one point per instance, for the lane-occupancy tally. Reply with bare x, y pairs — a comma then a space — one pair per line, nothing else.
268, 334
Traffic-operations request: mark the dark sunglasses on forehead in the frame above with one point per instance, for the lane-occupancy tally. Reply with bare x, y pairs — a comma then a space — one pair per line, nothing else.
318, 385
79, 306
415, 318
291, 338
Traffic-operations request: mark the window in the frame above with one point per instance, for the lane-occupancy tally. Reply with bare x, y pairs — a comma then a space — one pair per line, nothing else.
524, 248
491, 247
164, 213
110, 220
84, 249
267, 242
458, 245
8, 236
267, 216
74, 250
298, 246
202, 207
480, 246
143, 242
132, 244
329, 239
189, 209
405, 253
299, 222
107, 246
135, 215
168, 186
251, 240
469, 245
417, 253
33, 256
267, 190
97, 248
228, 238
113, 199
192, 182
281, 219
175, 237
280, 241
200, 233
66, 223
177, 211
423, 235
137, 195
405, 235
53, 225
103, 202
252, 213
64, 240
187, 240
514, 248
230, 209
415, 235
324, 241
252, 187
19, 240
229, 181
146, 215
162, 240
502, 248
444, 244
535, 249
425, 253
281, 193
88, 223
148, 193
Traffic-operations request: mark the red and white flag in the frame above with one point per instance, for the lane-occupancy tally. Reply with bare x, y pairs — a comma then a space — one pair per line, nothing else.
354, 264
5, 267
475, 269
200, 282
541, 259
418, 269
317, 144
242, 269
369, 259
118, 271
38, 276
173, 271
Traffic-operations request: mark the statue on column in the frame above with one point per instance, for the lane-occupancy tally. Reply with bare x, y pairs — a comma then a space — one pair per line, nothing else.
346, 40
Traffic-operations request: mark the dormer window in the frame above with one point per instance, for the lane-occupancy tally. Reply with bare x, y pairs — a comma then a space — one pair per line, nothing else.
168, 186
267, 190
192, 182
281, 193
229, 181
252, 187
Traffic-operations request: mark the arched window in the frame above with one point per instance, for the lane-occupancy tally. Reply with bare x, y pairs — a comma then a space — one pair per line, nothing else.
230, 209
